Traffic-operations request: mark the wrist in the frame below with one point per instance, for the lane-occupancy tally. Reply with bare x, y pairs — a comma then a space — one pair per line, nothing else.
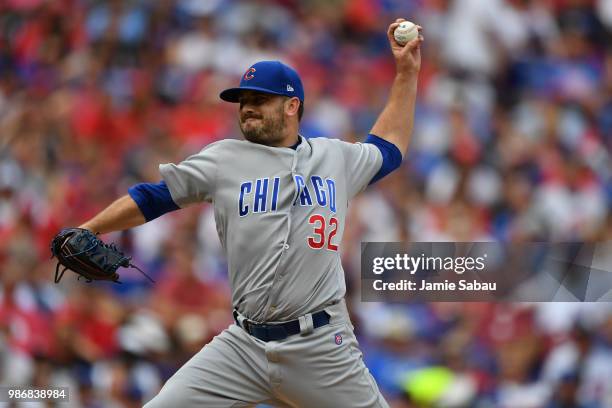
406, 80
407, 76
88, 226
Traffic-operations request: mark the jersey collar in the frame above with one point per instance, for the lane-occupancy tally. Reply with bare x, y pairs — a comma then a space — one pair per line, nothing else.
295, 146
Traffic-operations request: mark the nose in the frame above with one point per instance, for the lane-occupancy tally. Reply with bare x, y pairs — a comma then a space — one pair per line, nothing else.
247, 111
247, 108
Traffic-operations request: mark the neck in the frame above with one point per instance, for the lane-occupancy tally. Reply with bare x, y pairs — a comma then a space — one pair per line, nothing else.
290, 137
288, 142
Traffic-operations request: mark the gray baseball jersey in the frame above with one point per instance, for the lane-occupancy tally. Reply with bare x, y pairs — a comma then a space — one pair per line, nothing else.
280, 217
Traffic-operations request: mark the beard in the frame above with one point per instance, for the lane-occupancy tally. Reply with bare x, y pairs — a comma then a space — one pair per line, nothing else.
268, 131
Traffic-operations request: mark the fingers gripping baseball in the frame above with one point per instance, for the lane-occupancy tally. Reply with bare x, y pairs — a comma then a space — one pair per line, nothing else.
407, 56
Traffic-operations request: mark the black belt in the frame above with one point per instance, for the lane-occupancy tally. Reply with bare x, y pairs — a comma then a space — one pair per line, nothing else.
279, 331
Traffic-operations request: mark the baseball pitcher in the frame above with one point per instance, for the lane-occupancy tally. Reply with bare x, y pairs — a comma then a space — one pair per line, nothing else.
280, 203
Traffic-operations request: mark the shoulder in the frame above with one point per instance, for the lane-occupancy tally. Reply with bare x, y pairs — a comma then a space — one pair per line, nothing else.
224, 144
324, 141
320, 143
219, 149
337, 145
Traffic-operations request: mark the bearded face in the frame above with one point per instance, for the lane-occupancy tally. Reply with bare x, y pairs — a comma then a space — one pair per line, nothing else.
262, 118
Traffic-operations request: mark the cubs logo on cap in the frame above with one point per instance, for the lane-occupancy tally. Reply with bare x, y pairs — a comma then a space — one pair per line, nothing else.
272, 77
249, 74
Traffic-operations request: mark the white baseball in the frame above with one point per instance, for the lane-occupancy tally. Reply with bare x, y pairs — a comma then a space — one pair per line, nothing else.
405, 32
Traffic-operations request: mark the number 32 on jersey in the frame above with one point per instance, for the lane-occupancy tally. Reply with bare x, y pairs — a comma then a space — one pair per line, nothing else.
324, 233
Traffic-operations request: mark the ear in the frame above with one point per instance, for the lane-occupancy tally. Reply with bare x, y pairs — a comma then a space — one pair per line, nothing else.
292, 105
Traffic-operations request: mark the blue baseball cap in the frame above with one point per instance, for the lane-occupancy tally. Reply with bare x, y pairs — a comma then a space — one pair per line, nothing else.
272, 77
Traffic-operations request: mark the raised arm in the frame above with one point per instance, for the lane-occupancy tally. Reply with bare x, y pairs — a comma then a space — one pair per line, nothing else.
396, 121
120, 215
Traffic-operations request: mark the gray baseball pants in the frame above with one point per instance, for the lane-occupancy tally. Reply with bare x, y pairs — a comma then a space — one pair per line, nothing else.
304, 370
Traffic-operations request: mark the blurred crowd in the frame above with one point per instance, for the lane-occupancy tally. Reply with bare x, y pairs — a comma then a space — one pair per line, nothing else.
512, 142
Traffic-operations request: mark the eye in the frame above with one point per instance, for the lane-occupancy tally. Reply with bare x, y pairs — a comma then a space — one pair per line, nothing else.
255, 100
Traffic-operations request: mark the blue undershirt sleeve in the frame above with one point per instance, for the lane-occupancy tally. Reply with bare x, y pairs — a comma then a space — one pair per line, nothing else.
392, 157
152, 199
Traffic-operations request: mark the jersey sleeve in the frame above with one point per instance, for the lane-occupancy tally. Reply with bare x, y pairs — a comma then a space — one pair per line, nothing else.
361, 161
194, 179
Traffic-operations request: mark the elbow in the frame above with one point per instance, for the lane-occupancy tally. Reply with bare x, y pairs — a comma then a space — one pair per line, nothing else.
392, 156
153, 200
401, 141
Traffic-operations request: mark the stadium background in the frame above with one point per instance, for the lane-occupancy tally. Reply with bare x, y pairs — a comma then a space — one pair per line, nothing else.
512, 143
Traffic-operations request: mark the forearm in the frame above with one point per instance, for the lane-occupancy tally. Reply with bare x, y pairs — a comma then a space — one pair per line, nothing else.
396, 121
120, 215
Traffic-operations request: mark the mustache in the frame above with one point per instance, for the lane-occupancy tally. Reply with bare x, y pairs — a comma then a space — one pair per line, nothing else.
249, 116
